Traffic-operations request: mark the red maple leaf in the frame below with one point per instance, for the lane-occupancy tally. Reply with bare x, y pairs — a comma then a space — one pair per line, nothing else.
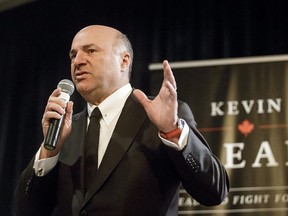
245, 127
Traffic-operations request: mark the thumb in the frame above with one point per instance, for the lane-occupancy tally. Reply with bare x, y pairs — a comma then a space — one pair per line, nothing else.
69, 109
70, 106
141, 97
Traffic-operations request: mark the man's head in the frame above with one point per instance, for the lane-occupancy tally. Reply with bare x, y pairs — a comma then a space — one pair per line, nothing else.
101, 62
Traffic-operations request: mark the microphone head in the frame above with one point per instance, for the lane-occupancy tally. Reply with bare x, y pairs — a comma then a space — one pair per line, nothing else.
66, 86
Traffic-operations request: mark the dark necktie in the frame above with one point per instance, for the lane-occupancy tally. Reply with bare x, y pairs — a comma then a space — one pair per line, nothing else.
91, 147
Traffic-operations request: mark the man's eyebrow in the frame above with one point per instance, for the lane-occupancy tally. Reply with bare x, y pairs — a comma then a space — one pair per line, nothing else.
72, 51
88, 45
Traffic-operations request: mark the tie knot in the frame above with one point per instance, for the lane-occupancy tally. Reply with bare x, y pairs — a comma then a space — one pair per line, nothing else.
96, 113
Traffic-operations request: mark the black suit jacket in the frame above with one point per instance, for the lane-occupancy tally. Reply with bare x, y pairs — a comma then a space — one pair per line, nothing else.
138, 175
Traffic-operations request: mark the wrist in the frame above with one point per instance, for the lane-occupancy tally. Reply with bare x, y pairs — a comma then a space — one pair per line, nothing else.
44, 153
173, 133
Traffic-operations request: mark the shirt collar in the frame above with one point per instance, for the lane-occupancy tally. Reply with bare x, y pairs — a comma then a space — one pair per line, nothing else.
108, 108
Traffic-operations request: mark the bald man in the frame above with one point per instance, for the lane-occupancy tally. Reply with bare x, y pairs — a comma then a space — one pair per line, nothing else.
148, 147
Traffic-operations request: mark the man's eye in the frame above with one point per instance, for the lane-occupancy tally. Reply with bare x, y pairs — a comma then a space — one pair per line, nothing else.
72, 56
91, 50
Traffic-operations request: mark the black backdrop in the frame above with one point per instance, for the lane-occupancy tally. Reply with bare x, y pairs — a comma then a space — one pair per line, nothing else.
35, 40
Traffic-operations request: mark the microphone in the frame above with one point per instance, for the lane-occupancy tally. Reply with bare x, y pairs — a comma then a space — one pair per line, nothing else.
67, 89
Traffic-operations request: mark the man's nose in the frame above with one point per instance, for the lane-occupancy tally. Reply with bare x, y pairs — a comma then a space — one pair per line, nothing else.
79, 59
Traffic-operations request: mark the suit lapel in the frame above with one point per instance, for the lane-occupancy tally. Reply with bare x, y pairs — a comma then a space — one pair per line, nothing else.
73, 148
72, 154
129, 123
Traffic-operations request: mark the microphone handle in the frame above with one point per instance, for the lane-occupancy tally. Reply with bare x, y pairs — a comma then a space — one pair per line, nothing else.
53, 133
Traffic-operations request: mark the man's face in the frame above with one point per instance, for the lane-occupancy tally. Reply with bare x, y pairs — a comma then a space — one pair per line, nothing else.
95, 67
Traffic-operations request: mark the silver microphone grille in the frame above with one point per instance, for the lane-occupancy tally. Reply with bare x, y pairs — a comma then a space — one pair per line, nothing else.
67, 86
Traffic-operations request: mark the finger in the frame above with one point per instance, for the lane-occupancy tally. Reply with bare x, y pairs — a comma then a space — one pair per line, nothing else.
54, 102
168, 74
52, 115
170, 87
56, 106
56, 92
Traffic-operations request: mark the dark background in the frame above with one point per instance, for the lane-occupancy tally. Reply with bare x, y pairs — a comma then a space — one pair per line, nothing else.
35, 40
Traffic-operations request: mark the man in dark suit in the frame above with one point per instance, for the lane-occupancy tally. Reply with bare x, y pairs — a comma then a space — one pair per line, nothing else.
148, 147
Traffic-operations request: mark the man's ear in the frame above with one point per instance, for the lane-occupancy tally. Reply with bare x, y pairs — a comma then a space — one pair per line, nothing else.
125, 61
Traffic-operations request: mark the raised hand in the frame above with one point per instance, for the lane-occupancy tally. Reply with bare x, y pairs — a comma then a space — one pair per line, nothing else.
162, 110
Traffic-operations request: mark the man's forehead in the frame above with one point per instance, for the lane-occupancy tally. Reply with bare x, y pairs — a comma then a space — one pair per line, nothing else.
98, 31
99, 35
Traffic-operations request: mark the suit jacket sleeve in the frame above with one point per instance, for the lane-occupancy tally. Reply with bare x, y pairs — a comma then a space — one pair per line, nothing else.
37, 199
202, 174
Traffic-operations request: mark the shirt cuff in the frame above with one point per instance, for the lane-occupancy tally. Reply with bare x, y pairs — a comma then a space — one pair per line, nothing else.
182, 142
43, 166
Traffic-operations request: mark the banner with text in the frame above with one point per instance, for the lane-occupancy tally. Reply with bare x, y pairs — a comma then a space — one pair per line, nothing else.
240, 106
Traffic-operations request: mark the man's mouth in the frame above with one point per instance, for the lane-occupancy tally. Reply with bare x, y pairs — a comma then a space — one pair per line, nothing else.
80, 75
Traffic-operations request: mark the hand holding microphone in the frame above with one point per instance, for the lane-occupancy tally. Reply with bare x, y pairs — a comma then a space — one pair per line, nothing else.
56, 124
